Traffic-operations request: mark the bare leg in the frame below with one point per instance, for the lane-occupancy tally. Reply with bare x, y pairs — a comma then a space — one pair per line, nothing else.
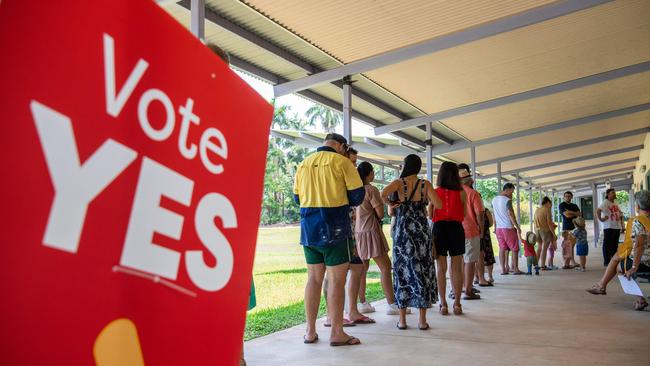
515, 261
356, 270
469, 276
490, 268
610, 272
402, 317
335, 300
480, 269
541, 256
457, 277
315, 274
583, 262
422, 323
441, 276
503, 258
362, 284
384, 265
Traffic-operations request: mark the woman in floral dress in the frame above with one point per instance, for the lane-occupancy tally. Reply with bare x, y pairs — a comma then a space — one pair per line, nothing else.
414, 273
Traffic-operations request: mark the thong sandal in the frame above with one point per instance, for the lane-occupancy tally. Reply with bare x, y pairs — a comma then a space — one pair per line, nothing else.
346, 323
596, 290
640, 305
401, 327
364, 320
352, 341
444, 310
423, 327
458, 309
310, 341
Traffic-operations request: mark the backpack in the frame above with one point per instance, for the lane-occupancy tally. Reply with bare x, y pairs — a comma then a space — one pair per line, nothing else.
625, 249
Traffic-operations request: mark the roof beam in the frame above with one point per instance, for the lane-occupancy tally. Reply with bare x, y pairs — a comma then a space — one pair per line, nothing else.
530, 94
577, 170
462, 144
446, 41
374, 142
571, 160
311, 138
586, 177
566, 146
295, 60
622, 179
282, 135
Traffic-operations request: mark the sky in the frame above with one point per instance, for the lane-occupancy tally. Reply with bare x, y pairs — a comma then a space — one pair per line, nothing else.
299, 104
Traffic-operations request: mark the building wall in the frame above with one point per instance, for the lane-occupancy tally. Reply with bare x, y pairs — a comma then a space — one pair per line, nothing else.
640, 180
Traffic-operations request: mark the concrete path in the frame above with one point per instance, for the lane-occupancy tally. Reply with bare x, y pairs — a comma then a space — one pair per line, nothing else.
523, 320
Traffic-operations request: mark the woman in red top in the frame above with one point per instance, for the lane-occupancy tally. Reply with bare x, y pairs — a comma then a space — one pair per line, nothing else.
448, 233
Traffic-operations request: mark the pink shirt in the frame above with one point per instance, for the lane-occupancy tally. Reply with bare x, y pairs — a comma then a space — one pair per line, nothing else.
473, 204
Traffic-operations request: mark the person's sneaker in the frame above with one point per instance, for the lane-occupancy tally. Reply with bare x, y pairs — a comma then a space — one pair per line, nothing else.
394, 310
583, 270
365, 308
537, 270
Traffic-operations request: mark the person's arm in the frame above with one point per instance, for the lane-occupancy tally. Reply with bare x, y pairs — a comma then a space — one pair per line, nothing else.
638, 253
490, 218
376, 202
599, 211
513, 218
479, 211
386, 192
432, 195
355, 190
296, 185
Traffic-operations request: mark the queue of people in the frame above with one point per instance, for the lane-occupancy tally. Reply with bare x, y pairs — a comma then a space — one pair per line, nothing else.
437, 232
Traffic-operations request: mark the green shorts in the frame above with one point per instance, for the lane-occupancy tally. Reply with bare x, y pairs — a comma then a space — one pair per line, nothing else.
332, 256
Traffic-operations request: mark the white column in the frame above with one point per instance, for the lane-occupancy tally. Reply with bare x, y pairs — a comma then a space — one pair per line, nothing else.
499, 185
197, 18
347, 109
429, 153
472, 153
594, 192
530, 208
518, 200
631, 199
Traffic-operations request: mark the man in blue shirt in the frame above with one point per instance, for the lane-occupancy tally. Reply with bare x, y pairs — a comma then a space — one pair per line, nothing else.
569, 211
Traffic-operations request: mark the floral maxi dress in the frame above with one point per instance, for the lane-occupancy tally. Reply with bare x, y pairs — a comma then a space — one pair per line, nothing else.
414, 271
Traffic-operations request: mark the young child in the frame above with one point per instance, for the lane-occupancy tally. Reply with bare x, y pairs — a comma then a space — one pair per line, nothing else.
579, 237
567, 251
529, 252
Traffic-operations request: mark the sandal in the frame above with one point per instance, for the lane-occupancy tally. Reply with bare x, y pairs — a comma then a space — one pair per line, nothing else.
487, 284
640, 305
310, 341
401, 327
472, 296
518, 273
458, 309
444, 310
352, 341
426, 326
596, 290
364, 320
346, 323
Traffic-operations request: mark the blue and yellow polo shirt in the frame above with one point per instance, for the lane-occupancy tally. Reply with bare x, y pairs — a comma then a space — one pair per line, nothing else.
326, 184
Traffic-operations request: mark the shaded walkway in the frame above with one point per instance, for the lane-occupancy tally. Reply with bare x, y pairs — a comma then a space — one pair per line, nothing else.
523, 320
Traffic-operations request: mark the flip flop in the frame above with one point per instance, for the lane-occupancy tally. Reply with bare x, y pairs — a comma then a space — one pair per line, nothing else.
364, 320
403, 327
486, 284
346, 323
307, 341
518, 273
352, 341
504, 273
426, 326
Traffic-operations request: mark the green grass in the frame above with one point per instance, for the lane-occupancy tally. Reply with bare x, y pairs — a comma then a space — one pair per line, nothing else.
280, 275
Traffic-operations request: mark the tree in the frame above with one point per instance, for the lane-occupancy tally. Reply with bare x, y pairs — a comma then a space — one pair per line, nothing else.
326, 117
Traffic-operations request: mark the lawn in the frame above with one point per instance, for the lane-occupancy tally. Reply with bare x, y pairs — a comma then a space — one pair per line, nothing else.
280, 275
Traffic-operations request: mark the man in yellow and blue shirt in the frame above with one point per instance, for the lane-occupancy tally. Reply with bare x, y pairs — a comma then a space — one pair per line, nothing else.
326, 185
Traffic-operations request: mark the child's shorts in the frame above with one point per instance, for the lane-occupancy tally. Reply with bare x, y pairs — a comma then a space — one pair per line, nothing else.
531, 260
567, 249
582, 250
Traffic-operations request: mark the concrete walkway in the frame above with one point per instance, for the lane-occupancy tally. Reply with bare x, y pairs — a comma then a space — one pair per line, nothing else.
523, 320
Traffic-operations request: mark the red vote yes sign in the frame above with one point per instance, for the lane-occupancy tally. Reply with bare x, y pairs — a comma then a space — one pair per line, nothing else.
133, 164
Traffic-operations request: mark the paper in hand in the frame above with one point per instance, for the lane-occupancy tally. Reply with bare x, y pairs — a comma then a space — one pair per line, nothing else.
630, 286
